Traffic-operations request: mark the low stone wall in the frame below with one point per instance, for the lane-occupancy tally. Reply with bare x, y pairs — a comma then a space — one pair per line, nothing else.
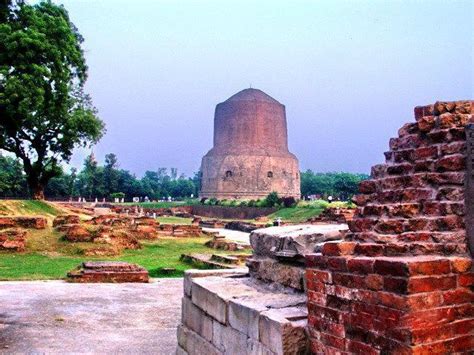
227, 312
225, 212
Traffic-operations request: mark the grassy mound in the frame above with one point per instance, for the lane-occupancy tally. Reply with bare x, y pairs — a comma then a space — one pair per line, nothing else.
28, 208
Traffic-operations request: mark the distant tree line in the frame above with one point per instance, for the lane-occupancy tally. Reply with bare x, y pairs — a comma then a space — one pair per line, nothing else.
339, 185
100, 181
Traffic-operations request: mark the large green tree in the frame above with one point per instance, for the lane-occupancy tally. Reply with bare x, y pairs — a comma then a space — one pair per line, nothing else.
44, 112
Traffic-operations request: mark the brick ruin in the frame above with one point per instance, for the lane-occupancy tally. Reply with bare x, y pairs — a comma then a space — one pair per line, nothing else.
402, 281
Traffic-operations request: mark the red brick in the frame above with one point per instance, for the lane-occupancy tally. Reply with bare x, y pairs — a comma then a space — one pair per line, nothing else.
389, 226
338, 248
459, 265
449, 223
374, 282
424, 153
439, 136
421, 111
367, 186
426, 123
322, 276
453, 148
408, 128
425, 301
369, 249
395, 284
406, 210
337, 263
450, 193
358, 347
324, 325
466, 280
428, 284
378, 171
452, 178
361, 224
391, 267
451, 163
458, 296
429, 267
392, 300
373, 210
316, 298
360, 265
349, 280
399, 169
316, 260
416, 195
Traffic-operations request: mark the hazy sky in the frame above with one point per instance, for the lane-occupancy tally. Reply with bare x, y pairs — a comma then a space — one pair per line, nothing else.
349, 72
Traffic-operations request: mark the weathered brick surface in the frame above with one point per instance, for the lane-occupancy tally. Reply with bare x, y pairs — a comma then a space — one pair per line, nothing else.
420, 187
111, 271
402, 282
23, 222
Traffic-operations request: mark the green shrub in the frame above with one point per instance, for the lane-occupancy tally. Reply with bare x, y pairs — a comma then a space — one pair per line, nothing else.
117, 195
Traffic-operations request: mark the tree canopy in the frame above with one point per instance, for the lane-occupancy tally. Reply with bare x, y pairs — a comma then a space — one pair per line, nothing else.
338, 184
44, 112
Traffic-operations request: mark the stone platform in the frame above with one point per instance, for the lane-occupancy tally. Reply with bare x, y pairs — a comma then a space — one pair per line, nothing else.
110, 271
227, 312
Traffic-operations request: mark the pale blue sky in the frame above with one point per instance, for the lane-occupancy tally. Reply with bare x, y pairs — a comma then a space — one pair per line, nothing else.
349, 72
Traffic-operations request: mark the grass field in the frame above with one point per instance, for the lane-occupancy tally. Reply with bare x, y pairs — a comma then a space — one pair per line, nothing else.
48, 264
174, 220
28, 208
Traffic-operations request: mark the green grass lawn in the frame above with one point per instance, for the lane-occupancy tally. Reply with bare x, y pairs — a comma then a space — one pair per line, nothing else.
163, 253
174, 220
296, 214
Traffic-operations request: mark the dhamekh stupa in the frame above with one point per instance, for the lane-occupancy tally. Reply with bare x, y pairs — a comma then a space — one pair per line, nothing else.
250, 157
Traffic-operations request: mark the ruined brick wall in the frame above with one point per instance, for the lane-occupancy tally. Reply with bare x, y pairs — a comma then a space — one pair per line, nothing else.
402, 283
250, 157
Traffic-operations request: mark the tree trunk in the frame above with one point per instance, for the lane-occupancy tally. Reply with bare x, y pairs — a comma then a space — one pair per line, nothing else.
37, 191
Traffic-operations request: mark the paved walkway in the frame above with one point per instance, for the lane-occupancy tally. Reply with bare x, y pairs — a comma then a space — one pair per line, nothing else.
59, 317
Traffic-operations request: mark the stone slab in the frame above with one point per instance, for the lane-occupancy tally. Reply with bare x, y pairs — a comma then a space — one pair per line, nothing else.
294, 241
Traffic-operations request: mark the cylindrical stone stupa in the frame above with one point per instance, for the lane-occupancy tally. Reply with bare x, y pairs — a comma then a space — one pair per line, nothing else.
250, 157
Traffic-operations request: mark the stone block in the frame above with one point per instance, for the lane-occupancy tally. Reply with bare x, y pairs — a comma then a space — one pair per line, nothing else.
196, 319
189, 275
293, 242
243, 316
210, 301
194, 344
270, 270
281, 335
229, 340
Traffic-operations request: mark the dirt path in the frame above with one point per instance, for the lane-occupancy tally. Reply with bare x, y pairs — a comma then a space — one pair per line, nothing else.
58, 317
